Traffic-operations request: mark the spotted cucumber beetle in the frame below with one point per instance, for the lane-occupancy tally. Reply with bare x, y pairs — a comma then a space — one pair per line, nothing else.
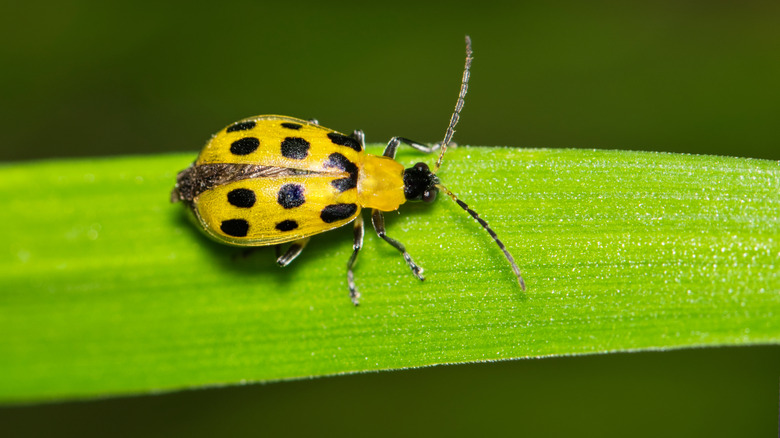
269, 180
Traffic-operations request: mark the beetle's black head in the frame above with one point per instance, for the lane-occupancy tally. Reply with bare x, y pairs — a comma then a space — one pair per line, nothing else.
420, 183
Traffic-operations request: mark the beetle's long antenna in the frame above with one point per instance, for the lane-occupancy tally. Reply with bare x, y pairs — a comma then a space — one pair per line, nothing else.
464, 87
489, 230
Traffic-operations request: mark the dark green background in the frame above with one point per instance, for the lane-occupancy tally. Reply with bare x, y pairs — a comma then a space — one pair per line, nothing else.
86, 78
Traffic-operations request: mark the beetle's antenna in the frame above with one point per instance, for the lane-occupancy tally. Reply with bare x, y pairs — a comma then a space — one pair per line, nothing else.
464, 87
489, 230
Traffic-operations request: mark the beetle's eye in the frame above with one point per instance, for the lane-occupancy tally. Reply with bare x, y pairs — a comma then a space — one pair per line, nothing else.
429, 195
421, 167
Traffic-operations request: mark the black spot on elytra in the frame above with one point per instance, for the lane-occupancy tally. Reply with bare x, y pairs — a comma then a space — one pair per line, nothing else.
235, 227
243, 198
295, 148
244, 146
241, 126
337, 212
291, 196
293, 126
342, 163
287, 225
344, 184
343, 140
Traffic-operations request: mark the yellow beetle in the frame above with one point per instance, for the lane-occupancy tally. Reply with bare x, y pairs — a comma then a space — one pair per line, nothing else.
268, 180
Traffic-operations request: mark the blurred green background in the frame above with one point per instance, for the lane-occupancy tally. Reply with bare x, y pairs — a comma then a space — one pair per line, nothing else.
82, 78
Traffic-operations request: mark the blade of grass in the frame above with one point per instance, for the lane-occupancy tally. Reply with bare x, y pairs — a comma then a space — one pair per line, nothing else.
106, 288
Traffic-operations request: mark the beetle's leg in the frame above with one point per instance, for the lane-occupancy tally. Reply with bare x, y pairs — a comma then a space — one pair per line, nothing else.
358, 243
378, 220
394, 142
360, 136
292, 252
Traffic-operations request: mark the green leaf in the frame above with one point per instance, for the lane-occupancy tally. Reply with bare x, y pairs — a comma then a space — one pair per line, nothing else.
106, 288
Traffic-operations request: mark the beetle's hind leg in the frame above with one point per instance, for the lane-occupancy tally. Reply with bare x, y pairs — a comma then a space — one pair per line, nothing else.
292, 252
358, 243
378, 220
